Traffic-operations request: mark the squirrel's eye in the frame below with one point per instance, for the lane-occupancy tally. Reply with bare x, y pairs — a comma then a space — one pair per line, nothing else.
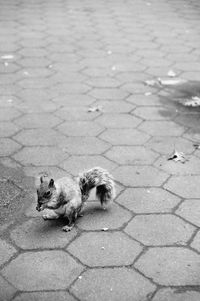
47, 193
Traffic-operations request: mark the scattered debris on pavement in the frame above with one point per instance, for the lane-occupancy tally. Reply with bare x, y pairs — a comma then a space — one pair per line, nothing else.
193, 102
177, 157
95, 109
171, 73
104, 229
196, 145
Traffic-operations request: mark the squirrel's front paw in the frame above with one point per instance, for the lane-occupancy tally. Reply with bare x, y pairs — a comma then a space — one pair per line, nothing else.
46, 216
67, 228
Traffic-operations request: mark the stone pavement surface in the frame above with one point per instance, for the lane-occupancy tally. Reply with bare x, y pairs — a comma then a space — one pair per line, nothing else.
58, 59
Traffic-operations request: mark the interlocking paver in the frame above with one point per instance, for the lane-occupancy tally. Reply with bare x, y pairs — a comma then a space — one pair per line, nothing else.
81, 128
75, 164
176, 294
96, 218
161, 128
8, 146
118, 121
45, 296
85, 146
140, 176
166, 145
37, 233
7, 290
36, 120
124, 136
105, 249
33, 268
35, 137
184, 186
29, 155
170, 266
104, 284
189, 210
8, 129
160, 230
131, 155
6, 251
171, 167
148, 200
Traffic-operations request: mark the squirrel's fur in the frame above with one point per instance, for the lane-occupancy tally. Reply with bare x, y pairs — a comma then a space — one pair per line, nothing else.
66, 196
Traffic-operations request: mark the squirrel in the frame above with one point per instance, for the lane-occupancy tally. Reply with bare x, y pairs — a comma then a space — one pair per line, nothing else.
66, 196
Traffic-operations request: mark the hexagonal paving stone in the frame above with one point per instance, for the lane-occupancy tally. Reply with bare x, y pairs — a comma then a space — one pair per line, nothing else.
74, 100
154, 113
105, 249
7, 291
85, 146
7, 114
75, 164
51, 171
170, 266
192, 166
176, 294
37, 233
185, 186
166, 145
80, 128
46, 270
131, 155
124, 136
41, 156
114, 106
37, 137
109, 284
8, 146
196, 242
74, 113
6, 251
112, 93
9, 101
190, 210
148, 200
161, 128
160, 229
102, 82
39, 120
96, 218
140, 176
71, 88
8, 129
118, 121
144, 100
44, 296
37, 106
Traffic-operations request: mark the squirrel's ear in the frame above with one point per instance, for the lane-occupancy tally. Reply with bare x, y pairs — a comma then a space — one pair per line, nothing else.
51, 183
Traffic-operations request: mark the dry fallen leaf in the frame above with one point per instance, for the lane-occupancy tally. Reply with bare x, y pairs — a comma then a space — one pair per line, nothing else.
171, 81
104, 229
171, 73
177, 156
196, 146
95, 109
193, 102
151, 82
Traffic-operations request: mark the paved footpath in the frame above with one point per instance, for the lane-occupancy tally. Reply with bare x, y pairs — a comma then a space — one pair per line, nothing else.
58, 59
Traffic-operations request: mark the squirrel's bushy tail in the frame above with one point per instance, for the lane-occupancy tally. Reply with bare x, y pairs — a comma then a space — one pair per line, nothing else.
102, 180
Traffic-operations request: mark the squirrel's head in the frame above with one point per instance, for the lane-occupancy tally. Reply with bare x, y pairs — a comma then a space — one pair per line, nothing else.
45, 192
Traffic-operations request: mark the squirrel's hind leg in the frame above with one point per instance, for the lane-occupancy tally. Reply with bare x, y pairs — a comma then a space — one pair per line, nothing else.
71, 221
